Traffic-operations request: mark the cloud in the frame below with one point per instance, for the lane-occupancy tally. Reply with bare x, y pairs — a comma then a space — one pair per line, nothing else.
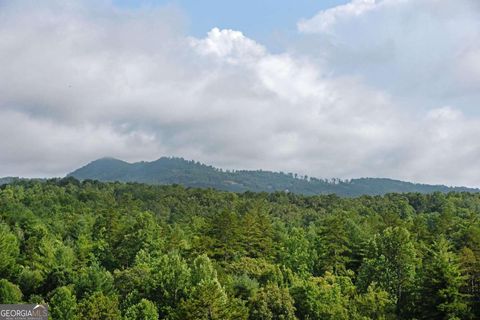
420, 52
325, 19
85, 80
424, 54
229, 44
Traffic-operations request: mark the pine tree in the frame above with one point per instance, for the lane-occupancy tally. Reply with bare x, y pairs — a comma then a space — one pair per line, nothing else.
442, 280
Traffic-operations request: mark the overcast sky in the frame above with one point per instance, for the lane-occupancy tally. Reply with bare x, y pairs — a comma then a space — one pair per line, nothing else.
386, 88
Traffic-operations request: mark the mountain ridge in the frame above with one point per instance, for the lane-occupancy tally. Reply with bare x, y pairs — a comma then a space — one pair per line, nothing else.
173, 170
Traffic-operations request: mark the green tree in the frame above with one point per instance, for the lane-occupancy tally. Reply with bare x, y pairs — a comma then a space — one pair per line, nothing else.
138, 232
9, 292
373, 304
209, 299
144, 310
442, 280
202, 270
63, 304
320, 298
470, 266
390, 263
243, 286
256, 233
333, 244
93, 279
169, 280
258, 269
272, 303
30, 280
295, 251
9, 250
210, 302
99, 307
222, 241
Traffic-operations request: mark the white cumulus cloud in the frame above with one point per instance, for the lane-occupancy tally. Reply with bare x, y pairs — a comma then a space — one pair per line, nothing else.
325, 19
86, 80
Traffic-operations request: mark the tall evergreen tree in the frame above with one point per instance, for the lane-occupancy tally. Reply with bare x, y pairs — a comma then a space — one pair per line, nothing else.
442, 281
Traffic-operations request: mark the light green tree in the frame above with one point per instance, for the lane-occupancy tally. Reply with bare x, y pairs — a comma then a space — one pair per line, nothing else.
144, 310
63, 304
296, 251
9, 250
209, 300
272, 303
9, 292
321, 298
390, 263
169, 280
373, 304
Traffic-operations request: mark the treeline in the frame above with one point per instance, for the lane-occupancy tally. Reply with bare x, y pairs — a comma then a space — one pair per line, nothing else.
167, 171
96, 250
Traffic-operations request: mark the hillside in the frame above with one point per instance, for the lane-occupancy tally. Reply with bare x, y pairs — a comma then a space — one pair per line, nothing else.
6, 180
194, 174
118, 251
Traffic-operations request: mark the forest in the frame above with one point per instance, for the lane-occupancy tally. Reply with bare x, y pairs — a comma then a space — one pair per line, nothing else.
95, 250
190, 173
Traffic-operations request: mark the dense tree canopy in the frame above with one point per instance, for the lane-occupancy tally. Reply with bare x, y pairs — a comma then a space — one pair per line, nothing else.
96, 250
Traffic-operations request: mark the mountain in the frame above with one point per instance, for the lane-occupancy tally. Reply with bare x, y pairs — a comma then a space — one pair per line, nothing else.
6, 180
194, 174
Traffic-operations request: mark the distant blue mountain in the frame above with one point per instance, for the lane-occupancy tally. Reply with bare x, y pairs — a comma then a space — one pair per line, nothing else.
194, 174
6, 180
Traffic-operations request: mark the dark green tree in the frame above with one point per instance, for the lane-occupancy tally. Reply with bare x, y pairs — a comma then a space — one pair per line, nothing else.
442, 281
333, 244
99, 307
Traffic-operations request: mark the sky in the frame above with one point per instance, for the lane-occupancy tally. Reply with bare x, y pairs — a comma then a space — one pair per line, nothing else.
262, 20
361, 88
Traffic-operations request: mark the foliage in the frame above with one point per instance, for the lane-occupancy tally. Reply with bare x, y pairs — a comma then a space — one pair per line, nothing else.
9, 292
442, 282
63, 304
272, 303
197, 175
9, 251
94, 250
144, 310
99, 307
390, 263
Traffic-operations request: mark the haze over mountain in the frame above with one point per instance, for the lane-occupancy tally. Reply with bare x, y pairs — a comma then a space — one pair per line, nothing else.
5, 180
194, 174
